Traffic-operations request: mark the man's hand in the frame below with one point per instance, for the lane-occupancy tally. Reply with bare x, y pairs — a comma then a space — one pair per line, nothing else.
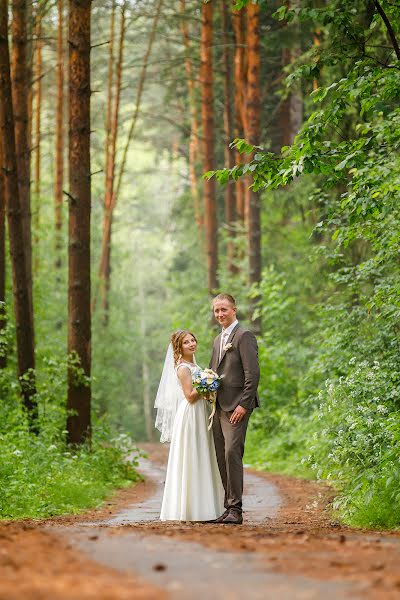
237, 414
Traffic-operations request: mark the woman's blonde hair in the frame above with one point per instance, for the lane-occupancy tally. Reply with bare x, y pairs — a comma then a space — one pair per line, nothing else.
177, 341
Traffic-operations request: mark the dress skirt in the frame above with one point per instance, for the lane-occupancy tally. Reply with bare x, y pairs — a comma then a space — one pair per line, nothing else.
193, 487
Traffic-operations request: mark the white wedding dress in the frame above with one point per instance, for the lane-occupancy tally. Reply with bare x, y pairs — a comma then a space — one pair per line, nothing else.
193, 487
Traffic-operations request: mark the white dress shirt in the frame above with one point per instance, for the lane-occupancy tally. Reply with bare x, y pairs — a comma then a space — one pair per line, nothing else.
225, 336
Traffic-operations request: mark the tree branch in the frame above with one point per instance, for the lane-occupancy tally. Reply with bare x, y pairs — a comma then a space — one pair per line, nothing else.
389, 27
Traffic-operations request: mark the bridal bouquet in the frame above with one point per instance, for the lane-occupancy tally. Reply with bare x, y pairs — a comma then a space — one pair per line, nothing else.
207, 382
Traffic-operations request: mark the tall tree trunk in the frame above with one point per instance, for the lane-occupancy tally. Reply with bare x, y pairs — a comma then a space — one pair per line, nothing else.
106, 242
139, 94
79, 318
290, 112
38, 126
110, 80
194, 149
23, 315
230, 199
284, 120
3, 346
105, 272
240, 76
207, 117
253, 137
59, 159
29, 53
147, 409
20, 87
317, 44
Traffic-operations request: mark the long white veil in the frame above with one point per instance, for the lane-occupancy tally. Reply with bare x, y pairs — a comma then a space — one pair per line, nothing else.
169, 396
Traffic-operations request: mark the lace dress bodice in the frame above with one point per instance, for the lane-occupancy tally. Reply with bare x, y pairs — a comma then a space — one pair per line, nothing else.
193, 368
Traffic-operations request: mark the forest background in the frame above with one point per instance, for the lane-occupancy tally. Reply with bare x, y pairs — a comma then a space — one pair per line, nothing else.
305, 234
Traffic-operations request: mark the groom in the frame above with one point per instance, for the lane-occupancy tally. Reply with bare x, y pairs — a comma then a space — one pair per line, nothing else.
235, 358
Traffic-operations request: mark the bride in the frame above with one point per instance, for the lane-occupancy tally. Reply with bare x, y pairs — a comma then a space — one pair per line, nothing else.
193, 487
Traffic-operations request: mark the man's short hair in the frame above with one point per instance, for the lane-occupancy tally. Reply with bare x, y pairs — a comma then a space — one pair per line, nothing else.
228, 297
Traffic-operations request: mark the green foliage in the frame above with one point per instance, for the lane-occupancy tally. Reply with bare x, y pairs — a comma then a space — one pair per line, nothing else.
40, 476
331, 395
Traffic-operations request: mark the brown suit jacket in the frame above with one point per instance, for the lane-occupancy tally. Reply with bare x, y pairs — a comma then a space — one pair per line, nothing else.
239, 369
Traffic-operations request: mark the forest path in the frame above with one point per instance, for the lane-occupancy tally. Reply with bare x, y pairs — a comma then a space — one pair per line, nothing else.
288, 548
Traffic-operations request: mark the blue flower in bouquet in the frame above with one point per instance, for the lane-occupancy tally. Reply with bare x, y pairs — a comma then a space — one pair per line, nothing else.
206, 381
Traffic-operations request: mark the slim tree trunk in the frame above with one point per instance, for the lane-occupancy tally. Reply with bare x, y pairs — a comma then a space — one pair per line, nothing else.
38, 126
317, 44
116, 188
110, 80
105, 272
253, 137
194, 149
139, 94
240, 76
20, 88
290, 112
3, 346
23, 315
148, 418
79, 318
59, 159
230, 199
284, 119
207, 117
29, 52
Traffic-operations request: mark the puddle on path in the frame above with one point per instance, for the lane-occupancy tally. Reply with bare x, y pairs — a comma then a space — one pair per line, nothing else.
261, 499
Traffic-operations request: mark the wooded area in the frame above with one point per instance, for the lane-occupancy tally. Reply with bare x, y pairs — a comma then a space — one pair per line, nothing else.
111, 113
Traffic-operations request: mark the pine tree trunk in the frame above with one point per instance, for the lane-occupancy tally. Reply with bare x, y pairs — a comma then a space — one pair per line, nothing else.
285, 129
23, 315
290, 114
147, 409
38, 127
139, 94
59, 159
105, 272
107, 226
79, 318
240, 76
3, 347
29, 52
20, 87
110, 80
317, 44
230, 199
253, 137
194, 150
207, 116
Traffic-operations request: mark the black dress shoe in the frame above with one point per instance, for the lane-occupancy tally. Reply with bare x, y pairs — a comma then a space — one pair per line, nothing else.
234, 517
221, 518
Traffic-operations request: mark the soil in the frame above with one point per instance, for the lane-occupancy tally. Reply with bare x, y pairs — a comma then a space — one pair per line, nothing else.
301, 540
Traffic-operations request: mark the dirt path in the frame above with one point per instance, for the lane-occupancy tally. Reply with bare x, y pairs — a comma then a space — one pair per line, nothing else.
287, 548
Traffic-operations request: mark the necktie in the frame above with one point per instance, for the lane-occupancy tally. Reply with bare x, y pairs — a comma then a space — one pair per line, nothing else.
224, 338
